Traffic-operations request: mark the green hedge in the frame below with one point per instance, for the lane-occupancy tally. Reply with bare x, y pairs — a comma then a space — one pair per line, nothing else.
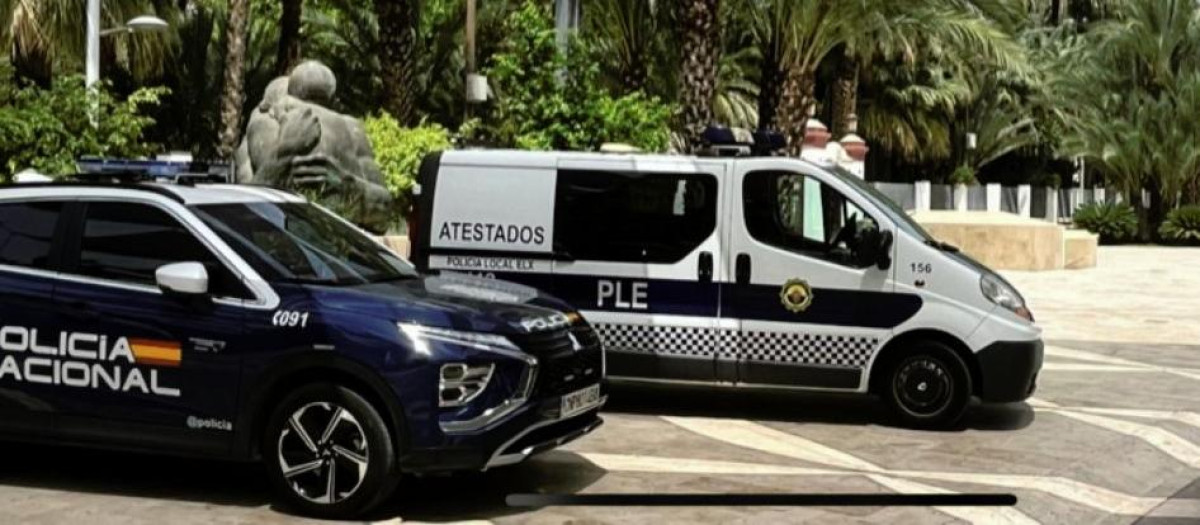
399, 150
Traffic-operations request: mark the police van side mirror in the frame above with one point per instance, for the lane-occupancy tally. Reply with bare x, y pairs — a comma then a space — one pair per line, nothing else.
875, 248
184, 278
883, 259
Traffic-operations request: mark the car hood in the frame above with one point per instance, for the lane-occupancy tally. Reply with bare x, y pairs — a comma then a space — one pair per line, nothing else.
453, 301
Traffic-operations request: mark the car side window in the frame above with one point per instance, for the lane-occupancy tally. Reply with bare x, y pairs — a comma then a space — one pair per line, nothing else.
801, 214
127, 242
27, 233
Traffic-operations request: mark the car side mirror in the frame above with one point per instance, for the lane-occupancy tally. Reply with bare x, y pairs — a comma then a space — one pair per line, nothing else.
875, 248
185, 278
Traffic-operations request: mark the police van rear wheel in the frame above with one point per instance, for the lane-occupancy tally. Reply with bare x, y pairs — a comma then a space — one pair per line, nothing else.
329, 453
929, 387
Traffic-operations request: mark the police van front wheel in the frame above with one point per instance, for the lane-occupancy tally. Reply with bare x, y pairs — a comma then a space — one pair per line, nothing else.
329, 453
928, 387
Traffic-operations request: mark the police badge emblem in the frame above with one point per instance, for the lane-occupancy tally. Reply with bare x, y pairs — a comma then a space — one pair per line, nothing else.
796, 295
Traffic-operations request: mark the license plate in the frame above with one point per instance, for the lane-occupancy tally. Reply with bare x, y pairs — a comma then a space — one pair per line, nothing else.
580, 401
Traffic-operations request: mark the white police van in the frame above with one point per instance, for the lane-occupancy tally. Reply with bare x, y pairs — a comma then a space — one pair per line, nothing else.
768, 271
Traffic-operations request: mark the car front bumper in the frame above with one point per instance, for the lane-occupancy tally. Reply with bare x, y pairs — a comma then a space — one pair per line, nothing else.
535, 428
1009, 370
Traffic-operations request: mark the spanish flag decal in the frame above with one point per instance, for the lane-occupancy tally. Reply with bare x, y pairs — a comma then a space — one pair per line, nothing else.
153, 352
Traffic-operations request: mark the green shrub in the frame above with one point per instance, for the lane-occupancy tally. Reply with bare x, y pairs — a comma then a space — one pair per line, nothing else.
49, 129
1113, 222
963, 175
399, 150
545, 100
1182, 225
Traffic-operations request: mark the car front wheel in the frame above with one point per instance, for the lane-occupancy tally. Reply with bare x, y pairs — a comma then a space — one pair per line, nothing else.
329, 453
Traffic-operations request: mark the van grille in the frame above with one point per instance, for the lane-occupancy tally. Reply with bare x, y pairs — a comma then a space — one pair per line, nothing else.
561, 368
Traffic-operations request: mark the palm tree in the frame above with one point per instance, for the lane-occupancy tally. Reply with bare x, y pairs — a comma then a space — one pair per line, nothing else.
1127, 108
629, 34
956, 31
289, 36
42, 35
398, 22
700, 43
797, 37
233, 94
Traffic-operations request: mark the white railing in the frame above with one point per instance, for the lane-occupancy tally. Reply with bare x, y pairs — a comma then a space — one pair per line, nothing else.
1051, 204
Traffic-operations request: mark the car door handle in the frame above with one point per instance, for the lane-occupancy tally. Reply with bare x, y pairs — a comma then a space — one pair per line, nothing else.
742, 269
81, 310
705, 267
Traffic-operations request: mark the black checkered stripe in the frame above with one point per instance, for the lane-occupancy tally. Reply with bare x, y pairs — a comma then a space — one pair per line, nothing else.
780, 347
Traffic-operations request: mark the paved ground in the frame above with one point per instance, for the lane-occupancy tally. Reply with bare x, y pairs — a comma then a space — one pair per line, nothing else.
1112, 436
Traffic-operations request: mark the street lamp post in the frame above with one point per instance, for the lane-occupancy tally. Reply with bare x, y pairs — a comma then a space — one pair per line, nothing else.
140, 23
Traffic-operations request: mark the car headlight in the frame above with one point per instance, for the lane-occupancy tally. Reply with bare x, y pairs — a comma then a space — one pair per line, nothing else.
1001, 293
421, 336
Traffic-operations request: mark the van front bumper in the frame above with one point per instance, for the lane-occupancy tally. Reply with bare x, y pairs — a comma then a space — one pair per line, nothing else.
1009, 370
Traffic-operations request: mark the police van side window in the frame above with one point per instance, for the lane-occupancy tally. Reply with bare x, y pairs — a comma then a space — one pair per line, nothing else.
800, 214
27, 232
633, 217
127, 242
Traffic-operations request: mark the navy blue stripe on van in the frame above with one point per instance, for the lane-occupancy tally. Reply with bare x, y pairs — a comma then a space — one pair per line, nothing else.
833, 307
830, 306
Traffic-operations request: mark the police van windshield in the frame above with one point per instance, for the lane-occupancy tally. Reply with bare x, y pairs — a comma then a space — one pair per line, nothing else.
903, 220
299, 242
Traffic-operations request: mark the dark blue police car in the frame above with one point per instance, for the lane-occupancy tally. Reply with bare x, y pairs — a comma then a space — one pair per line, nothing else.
246, 323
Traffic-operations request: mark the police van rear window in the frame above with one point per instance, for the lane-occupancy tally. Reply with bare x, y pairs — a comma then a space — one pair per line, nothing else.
633, 217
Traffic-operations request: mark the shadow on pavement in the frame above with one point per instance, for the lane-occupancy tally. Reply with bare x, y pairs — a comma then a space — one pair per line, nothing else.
245, 485
441, 498
790, 406
129, 474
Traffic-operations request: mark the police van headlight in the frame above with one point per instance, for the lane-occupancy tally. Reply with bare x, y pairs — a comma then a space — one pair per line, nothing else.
420, 337
1001, 293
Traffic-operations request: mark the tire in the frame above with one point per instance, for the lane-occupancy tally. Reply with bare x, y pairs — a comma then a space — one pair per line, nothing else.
359, 447
928, 387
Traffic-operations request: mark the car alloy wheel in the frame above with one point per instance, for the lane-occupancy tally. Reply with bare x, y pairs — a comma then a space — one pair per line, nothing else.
323, 453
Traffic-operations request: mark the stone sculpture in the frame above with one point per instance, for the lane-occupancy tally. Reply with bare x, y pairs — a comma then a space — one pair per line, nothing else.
294, 141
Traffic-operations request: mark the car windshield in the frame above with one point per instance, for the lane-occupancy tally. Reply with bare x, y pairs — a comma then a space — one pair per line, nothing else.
889, 207
300, 242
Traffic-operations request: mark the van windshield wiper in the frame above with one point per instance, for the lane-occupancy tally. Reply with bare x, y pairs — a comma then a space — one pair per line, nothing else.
943, 246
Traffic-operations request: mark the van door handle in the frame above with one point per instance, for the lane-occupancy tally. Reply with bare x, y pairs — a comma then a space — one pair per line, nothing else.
742, 269
705, 270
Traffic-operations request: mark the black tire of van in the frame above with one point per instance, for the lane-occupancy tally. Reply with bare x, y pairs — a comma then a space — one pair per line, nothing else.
359, 435
928, 387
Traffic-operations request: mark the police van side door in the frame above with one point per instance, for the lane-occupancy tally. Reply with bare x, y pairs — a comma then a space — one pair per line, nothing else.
147, 369
639, 249
808, 314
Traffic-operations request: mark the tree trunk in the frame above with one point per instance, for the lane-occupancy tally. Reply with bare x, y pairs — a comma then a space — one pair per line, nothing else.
288, 54
795, 100
233, 94
397, 40
34, 66
700, 32
769, 88
636, 73
845, 96
1157, 212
